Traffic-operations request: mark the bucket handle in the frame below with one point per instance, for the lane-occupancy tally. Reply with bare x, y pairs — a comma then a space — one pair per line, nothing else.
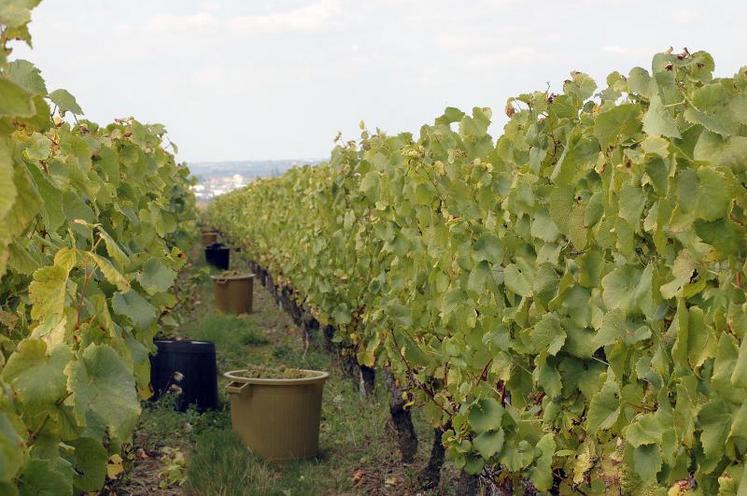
222, 281
236, 387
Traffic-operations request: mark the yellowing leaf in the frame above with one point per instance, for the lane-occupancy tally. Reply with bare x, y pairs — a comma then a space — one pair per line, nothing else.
114, 466
583, 463
47, 292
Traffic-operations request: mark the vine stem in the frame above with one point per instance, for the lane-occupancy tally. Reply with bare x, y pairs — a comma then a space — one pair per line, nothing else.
35, 434
418, 384
86, 277
484, 373
33, 231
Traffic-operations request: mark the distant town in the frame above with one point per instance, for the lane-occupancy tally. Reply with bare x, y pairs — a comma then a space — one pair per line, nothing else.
217, 178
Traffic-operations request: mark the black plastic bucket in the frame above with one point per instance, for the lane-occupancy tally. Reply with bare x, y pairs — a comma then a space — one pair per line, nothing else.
189, 369
217, 255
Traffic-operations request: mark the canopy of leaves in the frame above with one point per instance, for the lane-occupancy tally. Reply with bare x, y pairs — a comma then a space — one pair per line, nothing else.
570, 297
93, 221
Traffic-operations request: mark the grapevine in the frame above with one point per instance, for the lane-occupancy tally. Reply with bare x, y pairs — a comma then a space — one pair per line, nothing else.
568, 300
93, 221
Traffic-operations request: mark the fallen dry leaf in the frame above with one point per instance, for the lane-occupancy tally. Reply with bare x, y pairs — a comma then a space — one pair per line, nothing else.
358, 475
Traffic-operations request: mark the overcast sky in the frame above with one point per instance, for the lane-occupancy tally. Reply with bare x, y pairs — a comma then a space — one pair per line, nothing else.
277, 79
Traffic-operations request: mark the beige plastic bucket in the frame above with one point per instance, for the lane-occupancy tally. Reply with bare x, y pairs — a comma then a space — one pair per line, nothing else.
209, 237
278, 419
234, 294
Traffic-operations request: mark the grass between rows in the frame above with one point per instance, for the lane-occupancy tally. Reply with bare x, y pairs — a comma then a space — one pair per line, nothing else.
191, 453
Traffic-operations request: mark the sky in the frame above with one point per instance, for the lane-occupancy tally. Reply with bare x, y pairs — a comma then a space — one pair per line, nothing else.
278, 79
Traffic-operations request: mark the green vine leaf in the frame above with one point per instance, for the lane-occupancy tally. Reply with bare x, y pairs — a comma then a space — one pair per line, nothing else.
604, 408
14, 100
135, 307
36, 374
156, 277
489, 443
65, 102
485, 415
103, 392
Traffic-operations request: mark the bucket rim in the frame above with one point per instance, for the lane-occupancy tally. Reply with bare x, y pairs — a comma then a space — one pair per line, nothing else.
239, 277
185, 341
315, 376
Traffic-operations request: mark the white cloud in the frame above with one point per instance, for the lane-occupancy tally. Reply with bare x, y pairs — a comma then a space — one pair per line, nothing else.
312, 17
686, 16
211, 5
452, 41
613, 49
499, 58
177, 23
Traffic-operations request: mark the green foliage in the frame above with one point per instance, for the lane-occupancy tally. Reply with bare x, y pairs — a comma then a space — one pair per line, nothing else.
89, 247
582, 277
